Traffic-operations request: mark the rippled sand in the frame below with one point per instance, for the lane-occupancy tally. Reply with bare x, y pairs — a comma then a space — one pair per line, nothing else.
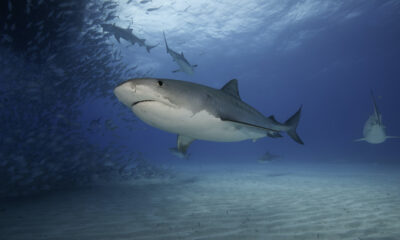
236, 203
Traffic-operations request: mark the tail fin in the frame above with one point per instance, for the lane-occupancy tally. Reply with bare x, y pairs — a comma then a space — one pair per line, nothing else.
165, 40
148, 47
292, 123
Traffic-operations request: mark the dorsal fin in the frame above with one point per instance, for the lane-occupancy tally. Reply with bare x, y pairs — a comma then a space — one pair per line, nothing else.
273, 119
231, 88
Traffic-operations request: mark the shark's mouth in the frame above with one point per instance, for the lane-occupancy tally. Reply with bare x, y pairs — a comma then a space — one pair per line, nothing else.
135, 103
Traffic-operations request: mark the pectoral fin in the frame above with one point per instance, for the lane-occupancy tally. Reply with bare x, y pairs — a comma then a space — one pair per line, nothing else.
392, 137
359, 140
183, 143
177, 70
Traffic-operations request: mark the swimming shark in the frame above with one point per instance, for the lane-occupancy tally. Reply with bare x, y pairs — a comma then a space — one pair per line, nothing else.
152, 9
195, 111
127, 34
374, 130
184, 65
268, 157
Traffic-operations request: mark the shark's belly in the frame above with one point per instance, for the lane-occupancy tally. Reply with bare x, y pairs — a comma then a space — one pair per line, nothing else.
201, 125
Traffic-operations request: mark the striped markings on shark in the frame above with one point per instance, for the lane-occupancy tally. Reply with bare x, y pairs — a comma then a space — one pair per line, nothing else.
183, 63
195, 111
374, 130
127, 35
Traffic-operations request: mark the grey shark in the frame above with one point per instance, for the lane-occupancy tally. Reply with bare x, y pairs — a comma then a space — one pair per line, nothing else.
184, 65
374, 130
153, 9
127, 34
195, 111
268, 157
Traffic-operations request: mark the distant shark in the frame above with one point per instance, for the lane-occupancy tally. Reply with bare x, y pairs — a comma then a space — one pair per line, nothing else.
374, 130
126, 33
195, 111
184, 65
152, 9
268, 157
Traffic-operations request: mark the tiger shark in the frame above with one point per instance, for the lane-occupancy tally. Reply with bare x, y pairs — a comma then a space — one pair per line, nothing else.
127, 34
184, 65
195, 111
374, 130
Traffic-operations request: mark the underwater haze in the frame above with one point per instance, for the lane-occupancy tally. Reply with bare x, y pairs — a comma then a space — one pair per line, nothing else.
283, 124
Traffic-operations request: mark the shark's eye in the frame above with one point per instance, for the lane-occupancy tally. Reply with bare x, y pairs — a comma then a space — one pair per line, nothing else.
160, 83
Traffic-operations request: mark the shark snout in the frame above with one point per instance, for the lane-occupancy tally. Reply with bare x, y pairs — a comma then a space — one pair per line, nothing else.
125, 92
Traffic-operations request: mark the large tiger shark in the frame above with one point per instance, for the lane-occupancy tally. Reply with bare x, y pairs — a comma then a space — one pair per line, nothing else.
374, 130
195, 111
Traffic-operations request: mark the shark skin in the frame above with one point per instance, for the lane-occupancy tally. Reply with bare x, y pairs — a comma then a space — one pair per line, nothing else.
195, 111
374, 131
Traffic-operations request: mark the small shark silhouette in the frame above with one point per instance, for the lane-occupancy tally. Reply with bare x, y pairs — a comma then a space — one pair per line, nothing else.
268, 157
374, 130
184, 65
127, 34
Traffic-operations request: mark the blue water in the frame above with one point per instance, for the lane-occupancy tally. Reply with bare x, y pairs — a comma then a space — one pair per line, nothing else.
61, 126
327, 60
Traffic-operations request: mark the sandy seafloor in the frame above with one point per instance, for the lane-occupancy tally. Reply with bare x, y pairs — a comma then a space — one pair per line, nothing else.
255, 201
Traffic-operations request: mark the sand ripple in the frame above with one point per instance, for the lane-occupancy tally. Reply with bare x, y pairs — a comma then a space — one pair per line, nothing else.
215, 206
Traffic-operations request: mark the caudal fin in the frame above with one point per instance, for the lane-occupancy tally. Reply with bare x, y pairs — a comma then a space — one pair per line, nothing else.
292, 123
150, 47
